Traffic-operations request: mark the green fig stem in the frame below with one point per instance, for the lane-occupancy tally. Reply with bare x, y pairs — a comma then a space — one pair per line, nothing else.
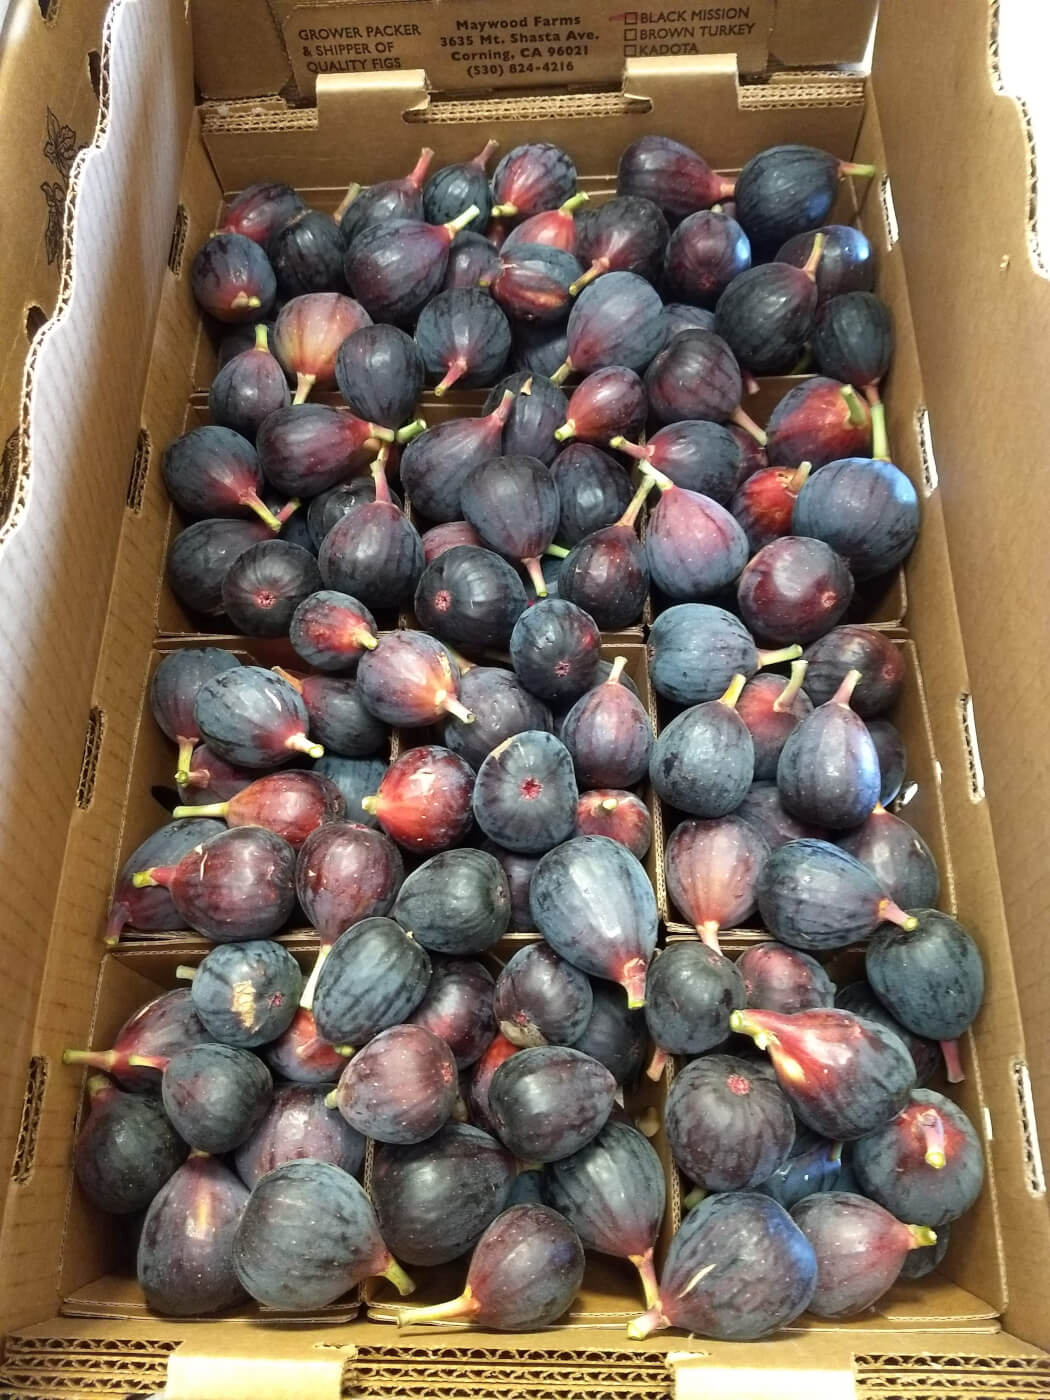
850, 167
107, 1060
182, 770
634, 505
243, 301
116, 919
456, 370
299, 743
922, 1236
262, 338
609, 804
306, 1000
461, 221
535, 573
741, 1022
798, 478
486, 153
353, 190
891, 913
657, 1064
708, 932
526, 388
557, 551
396, 1275
504, 211
455, 707
854, 406
632, 979
303, 384
773, 658
155, 875
196, 1153
378, 434
847, 686
461, 1308
809, 267
632, 449
574, 201
262, 510
410, 431
370, 804
96, 1084
952, 1061
566, 431
501, 412
732, 690
562, 372
613, 678
209, 809
597, 267
650, 1288
792, 686
331, 1100
663, 482
185, 973
693, 1198
347, 1051
931, 1126
742, 420
649, 1322
880, 443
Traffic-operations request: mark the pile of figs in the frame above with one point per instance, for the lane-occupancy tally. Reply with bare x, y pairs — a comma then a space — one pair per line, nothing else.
501, 657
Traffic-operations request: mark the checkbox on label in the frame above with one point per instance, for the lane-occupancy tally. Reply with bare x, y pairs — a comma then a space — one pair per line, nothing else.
631, 17
630, 51
630, 34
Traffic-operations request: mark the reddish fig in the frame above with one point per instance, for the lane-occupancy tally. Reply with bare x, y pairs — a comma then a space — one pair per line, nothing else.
701, 456
697, 376
332, 631
290, 804
423, 801
441, 538
531, 178
782, 979
772, 708
705, 253
297, 1125
618, 320
794, 589
151, 909
480, 1080
395, 267
162, 1027
401, 1087
259, 211
711, 869
762, 808
860, 1250
302, 1055
880, 661
617, 814
307, 449
214, 471
897, 856
818, 421
531, 282
435, 465
764, 503
693, 545
673, 176
409, 680
374, 553
607, 573
232, 278
308, 334
248, 388
458, 1008
552, 228
609, 403
608, 734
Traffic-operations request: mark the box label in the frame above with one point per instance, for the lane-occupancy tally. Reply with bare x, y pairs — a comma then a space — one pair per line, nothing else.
473, 44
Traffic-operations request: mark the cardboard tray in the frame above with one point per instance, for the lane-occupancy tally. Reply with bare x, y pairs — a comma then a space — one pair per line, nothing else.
83, 553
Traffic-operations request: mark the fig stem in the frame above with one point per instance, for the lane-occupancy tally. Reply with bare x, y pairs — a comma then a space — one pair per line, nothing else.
466, 1305
732, 691
262, 339
649, 1322
743, 420
750, 383
853, 404
922, 1236
397, 1276
847, 686
609, 804
299, 743
773, 658
352, 191
377, 470
952, 1060
655, 1068
562, 372
798, 478
503, 211
94, 1059
370, 804
634, 505
741, 1022
96, 1084
486, 153
182, 770
850, 167
650, 1288
418, 173
347, 1051
726, 187
632, 449
242, 300
809, 267
461, 221
457, 708
664, 482
288, 678
155, 875
565, 431
708, 932
792, 687
262, 510
306, 1000
694, 1197
526, 388
557, 551
288, 510
632, 980
456, 370
303, 384
880, 443
185, 973
574, 201
892, 913
535, 573
613, 678
595, 270
331, 1100
410, 431
209, 809
379, 434
931, 1125
118, 916
501, 412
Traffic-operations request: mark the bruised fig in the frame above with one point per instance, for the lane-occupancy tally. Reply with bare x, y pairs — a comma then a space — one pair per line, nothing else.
706, 252
126, 1148
783, 979
593, 903
844, 1076
618, 814
695, 650
626, 234
879, 660
693, 545
673, 176
593, 491
846, 264
470, 597
258, 211
298, 1125
703, 761
232, 278
395, 267
281, 1224
794, 588
409, 680
531, 178
860, 1250
538, 407
457, 1007
816, 897
711, 869
697, 376
738, 1269
214, 471
608, 734
549, 1101
387, 200
150, 909
691, 991
617, 320
728, 1129
513, 504
435, 465
185, 1270
525, 795
246, 993
897, 856
700, 456
764, 504
525, 1271
252, 718
308, 334
423, 801
541, 999
332, 631
380, 372
828, 769
374, 553
454, 188
464, 339
786, 190
501, 707
248, 388
555, 650
926, 1164
818, 421
401, 1087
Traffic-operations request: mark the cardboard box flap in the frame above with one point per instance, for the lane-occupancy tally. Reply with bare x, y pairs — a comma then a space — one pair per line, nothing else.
251, 48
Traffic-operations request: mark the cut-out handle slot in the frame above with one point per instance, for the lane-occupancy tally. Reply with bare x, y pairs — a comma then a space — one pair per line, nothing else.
973, 752
177, 247
1035, 1178
29, 1127
89, 764
930, 479
889, 212
140, 464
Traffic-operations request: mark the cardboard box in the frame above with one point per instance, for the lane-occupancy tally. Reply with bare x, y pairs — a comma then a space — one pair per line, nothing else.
111, 379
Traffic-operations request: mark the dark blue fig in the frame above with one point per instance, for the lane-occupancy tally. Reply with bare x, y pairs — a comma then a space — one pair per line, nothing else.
299, 1124
670, 174
464, 339
783, 979
859, 998
813, 1166
265, 584
374, 553
316, 1215
306, 255
711, 868
612, 1193
693, 546
531, 178
355, 778
893, 758
232, 279
126, 1148
926, 1164
614, 1036
593, 491
828, 770
401, 1088
626, 234
374, 977
860, 1250
593, 903
880, 661
454, 188
772, 709
470, 597
456, 902
617, 320
865, 509
259, 210
435, 465
150, 909
330, 506
697, 376
435, 1198
458, 1008
201, 554
786, 190
518, 869
501, 707
177, 682
525, 794
816, 897
331, 631
555, 650
679, 317
930, 975
847, 263
549, 1101
252, 718
695, 649
607, 573
541, 999
690, 993
380, 372
248, 388
706, 252
532, 282
386, 200
853, 339
925, 1258
762, 808
527, 1189
609, 735
394, 268
794, 589
766, 314
539, 347
513, 504
472, 262
738, 1269
539, 407
728, 1129
844, 1076
247, 993
703, 761
215, 1095
186, 1269
898, 857
700, 456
